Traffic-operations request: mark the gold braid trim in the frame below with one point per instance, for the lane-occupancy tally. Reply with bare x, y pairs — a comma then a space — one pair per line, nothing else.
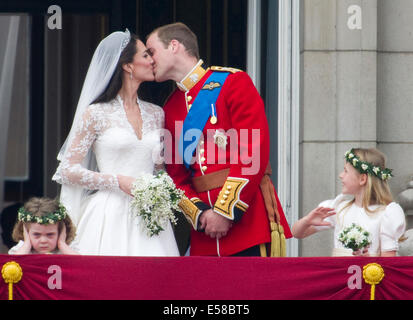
229, 198
190, 210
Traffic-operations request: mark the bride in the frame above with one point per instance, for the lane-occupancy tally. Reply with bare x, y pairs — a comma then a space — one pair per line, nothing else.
114, 138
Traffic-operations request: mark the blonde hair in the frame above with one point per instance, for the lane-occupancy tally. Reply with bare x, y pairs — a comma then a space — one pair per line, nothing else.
41, 207
377, 191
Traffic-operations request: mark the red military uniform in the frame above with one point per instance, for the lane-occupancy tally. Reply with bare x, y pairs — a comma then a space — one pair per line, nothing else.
236, 140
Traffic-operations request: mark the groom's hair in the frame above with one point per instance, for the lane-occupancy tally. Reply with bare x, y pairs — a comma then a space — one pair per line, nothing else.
180, 32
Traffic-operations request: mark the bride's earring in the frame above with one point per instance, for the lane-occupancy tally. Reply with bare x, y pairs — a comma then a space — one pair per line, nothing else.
131, 77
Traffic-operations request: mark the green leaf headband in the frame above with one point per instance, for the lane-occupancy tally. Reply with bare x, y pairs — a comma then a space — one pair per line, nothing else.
49, 218
367, 167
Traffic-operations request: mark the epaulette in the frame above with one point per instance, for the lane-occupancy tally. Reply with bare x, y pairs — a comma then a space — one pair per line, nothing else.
225, 69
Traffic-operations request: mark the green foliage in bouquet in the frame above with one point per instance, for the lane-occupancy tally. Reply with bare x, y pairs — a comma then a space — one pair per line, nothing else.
354, 237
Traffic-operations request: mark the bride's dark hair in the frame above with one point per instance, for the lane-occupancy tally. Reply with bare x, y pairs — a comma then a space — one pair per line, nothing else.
115, 83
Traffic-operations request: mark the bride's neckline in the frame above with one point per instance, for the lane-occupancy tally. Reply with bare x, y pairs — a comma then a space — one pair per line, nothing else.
121, 101
139, 102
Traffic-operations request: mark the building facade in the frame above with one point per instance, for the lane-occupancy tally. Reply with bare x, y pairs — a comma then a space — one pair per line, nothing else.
356, 62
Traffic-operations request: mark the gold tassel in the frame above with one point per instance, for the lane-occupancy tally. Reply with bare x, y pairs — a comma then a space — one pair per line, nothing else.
283, 241
275, 240
278, 241
263, 250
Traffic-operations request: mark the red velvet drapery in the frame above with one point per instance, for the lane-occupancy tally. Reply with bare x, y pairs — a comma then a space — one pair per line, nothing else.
198, 278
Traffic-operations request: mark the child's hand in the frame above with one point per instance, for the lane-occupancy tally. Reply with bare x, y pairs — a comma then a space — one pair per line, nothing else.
63, 247
25, 234
306, 226
27, 245
62, 237
364, 252
317, 216
26, 237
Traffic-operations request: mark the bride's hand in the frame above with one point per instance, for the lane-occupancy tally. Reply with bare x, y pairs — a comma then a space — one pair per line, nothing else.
126, 184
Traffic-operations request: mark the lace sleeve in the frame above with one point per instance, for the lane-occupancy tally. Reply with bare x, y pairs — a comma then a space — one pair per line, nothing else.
71, 170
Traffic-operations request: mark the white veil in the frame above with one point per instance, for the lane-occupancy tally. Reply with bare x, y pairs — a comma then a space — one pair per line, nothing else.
100, 72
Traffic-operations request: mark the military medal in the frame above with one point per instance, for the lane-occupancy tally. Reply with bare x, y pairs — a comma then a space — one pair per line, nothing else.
214, 119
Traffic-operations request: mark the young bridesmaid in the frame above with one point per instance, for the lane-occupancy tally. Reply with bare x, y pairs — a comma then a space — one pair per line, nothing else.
366, 201
43, 227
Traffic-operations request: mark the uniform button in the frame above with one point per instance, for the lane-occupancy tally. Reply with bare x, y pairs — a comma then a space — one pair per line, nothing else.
204, 168
203, 159
223, 201
201, 142
229, 187
225, 197
227, 192
189, 98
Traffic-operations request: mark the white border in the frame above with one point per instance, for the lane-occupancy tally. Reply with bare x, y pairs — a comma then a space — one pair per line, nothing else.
288, 100
289, 114
254, 42
6, 88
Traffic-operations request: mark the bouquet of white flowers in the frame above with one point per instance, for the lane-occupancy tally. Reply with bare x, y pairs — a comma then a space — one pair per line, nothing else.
155, 198
354, 237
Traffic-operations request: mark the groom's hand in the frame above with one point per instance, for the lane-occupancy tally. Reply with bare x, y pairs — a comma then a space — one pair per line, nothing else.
215, 225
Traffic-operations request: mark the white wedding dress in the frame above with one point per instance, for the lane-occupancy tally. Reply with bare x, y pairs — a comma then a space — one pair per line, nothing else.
106, 225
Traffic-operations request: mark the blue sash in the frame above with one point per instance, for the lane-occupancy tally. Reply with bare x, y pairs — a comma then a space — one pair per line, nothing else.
196, 119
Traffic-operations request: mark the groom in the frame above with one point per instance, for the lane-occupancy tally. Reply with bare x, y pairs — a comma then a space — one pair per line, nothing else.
220, 148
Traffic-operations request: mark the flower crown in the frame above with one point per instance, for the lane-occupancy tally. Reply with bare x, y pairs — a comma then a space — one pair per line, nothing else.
49, 218
367, 167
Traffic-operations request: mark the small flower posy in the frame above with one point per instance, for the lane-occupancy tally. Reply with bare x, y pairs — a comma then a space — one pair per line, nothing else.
367, 168
49, 218
354, 237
